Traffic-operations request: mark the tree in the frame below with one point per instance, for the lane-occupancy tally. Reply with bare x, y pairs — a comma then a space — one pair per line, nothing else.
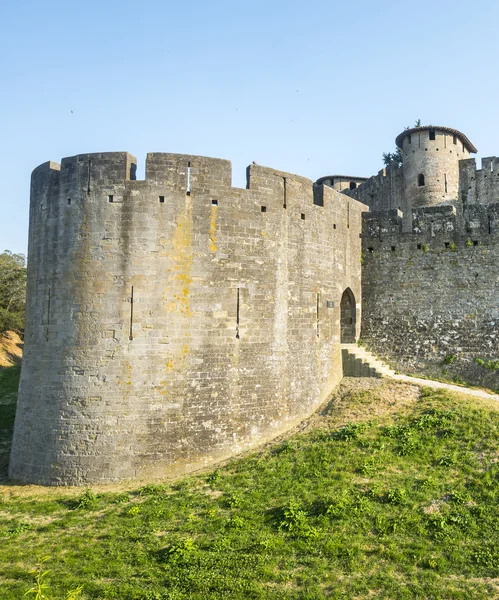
12, 291
393, 157
397, 157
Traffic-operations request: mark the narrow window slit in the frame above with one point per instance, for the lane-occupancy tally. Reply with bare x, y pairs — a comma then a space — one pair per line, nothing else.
264, 209
130, 337
88, 177
188, 192
284, 183
445, 182
302, 216
162, 199
393, 248
69, 201
110, 198
48, 315
237, 313
318, 306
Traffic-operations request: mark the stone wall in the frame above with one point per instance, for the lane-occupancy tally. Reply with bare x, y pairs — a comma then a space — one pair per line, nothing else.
384, 191
430, 298
175, 321
479, 186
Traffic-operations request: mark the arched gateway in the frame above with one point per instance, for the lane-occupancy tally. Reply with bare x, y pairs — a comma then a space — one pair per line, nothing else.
347, 317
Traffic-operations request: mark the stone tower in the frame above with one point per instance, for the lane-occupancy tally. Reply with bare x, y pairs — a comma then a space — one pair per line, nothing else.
431, 164
340, 183
174, 321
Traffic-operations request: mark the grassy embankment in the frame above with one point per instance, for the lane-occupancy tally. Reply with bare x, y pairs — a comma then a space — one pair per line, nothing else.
390, 493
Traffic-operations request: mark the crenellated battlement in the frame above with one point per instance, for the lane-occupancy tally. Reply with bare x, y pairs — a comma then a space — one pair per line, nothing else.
383, 191
434, 221
479, 186
111, 175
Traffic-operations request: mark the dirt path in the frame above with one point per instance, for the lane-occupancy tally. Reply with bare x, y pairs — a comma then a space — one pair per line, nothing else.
446, 386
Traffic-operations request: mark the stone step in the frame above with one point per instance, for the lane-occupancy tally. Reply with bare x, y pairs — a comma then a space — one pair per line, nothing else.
359, 362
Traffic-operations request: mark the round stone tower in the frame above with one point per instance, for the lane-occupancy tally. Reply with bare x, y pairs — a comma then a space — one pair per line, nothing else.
431, 164
341, 182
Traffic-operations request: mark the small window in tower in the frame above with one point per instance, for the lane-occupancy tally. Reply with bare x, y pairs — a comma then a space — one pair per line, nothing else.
110, 198
162, 199
454, 139
409, 139
420, 180
353, 185
463, 147
432, 134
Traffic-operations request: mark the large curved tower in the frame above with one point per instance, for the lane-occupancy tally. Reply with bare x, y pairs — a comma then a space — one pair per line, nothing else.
175, 321
431, 156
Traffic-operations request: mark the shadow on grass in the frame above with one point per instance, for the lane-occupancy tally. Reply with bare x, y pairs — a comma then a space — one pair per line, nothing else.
9, 382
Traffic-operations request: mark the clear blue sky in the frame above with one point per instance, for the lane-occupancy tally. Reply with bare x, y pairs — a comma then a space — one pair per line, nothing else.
307, 87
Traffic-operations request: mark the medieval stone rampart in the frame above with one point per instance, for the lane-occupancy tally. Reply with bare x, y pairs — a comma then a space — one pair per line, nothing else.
479, 186
430, 298
175, 321
384, 191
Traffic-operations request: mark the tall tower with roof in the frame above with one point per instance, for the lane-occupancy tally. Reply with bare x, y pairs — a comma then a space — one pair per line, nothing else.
431, 156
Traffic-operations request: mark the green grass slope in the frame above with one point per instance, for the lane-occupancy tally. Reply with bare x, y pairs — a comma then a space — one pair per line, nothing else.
391, 492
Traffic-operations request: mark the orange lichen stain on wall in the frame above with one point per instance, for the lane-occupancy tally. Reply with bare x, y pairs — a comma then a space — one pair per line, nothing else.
213, 228
128, 373
176, 298
179, 278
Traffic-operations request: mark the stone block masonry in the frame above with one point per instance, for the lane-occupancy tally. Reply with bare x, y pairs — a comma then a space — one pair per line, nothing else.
431, 297
175, 321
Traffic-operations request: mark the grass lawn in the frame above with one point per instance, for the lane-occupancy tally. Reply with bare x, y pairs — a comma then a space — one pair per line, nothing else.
390, 492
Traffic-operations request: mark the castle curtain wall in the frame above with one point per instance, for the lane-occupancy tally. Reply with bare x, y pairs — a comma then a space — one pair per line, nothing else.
430, 298
175, 321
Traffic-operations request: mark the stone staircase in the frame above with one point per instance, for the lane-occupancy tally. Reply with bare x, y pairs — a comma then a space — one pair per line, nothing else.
358, 362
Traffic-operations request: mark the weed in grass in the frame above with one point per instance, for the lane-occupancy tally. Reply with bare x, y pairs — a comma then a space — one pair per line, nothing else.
87, 500
40, 586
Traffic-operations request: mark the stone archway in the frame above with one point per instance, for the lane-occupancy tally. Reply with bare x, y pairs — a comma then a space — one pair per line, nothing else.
347, 317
